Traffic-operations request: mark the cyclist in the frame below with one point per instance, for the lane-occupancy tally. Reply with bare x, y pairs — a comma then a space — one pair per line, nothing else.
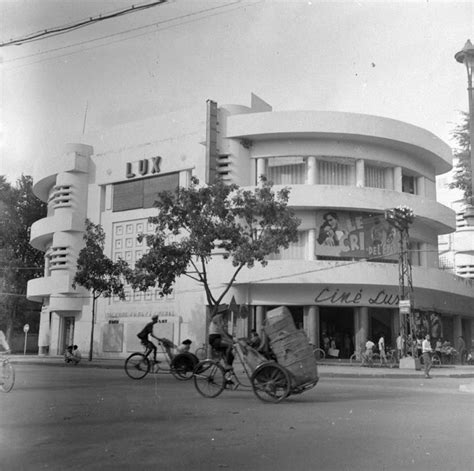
3, 342
144, 334
220, 339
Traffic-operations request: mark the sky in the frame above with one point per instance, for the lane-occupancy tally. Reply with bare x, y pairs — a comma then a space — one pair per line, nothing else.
391, 59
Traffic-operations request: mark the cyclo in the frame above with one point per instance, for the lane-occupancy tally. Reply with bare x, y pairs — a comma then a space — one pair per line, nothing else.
181, 366
289, 367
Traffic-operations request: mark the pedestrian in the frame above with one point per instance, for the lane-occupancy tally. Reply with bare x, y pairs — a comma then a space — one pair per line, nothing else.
461, 349
399, 346
426, 353
76, 355
381, 343
255, 339
369, 351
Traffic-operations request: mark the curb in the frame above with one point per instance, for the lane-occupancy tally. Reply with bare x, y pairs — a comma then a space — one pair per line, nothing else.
322, 374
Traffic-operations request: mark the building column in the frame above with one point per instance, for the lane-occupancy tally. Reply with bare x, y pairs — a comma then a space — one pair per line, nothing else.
261, 169
420, 186
311, 324
361, 327
397, 179
259, 316
360, 173
311, 171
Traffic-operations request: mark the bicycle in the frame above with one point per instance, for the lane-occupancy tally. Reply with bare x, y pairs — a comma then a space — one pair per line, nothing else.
364, 359
7, 374
319, 354
201, 352
181, 366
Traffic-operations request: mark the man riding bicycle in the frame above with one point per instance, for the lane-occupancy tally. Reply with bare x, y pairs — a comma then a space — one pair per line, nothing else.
149, 345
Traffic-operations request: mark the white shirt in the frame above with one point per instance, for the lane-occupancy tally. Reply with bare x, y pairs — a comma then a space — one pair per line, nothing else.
426, 346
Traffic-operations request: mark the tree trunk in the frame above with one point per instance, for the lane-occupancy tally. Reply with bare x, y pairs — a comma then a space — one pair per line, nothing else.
91, 348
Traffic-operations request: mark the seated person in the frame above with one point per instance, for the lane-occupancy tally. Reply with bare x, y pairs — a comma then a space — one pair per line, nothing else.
184, 347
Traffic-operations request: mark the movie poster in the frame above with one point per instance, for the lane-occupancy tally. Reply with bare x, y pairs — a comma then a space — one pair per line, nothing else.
356, 235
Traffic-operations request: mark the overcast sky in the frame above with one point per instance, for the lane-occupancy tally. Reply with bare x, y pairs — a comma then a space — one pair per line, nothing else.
392, 59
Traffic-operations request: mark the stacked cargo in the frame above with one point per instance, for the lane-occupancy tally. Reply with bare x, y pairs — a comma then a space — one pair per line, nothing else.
291, 346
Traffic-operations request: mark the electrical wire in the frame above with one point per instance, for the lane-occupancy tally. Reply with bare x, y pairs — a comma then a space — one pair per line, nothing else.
210, 12
55, 31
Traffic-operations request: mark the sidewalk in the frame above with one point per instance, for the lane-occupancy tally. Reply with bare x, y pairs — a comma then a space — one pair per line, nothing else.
326, 368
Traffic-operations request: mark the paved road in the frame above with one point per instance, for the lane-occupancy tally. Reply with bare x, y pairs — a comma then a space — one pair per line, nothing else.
98, 419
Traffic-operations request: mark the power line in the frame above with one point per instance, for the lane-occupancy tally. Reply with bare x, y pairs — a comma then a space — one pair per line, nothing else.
57, 30
155, 24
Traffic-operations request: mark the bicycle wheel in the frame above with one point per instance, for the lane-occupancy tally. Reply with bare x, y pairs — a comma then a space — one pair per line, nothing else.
354, 359
7, 376
137, 366
271, 382
182, 366
201, 353
376, 361
209, 378
391, 360
319, 354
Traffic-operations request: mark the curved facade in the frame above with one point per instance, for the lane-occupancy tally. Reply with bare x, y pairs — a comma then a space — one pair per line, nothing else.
341, 278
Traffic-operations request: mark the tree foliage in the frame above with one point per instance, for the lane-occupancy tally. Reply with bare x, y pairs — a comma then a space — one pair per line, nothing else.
195, 223
20, 262
97, 273
463, 175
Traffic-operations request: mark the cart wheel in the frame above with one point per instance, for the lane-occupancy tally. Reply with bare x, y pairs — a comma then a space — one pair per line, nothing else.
137, 366
182, 366
271, 382
209, 378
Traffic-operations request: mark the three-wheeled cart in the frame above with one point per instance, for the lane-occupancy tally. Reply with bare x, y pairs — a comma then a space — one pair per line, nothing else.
288, 365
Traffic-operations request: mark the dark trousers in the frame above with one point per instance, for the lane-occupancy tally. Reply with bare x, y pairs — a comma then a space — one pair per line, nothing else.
427, 362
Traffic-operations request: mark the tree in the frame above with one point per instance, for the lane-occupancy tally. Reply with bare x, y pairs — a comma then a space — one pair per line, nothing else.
20, 262
97, 273
463, 175
192, 223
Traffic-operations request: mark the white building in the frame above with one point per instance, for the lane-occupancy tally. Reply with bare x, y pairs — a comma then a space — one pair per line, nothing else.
343, 168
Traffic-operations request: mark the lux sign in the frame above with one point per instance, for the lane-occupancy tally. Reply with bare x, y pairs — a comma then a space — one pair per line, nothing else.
143, 167
337, 297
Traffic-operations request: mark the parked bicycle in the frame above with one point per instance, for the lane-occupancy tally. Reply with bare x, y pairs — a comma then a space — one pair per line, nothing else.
364, 359
319, 354
181, 366
7, 373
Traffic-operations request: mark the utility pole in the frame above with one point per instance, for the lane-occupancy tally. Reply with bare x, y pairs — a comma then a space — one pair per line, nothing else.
401, 217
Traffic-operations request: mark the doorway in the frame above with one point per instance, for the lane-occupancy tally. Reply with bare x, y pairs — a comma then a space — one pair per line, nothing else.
67, 333
337, 328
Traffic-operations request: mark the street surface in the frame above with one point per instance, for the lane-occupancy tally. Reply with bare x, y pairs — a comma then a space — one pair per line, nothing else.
67, 418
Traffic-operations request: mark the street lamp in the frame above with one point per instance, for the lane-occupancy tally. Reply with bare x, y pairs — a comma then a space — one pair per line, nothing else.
466, 56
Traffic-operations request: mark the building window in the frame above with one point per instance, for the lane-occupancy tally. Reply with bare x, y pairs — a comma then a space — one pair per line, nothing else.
374, 177
286, 170
143, 193
295, 251
335, 173
409, 184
